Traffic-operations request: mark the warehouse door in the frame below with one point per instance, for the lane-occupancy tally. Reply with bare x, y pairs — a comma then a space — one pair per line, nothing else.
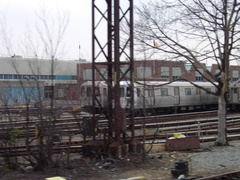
176, 96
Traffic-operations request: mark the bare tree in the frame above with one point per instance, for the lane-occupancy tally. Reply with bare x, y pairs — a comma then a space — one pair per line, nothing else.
195, 31
43, 42
50, 35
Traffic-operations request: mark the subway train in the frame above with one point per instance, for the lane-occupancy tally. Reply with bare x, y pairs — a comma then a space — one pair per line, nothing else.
156, 97
234, 96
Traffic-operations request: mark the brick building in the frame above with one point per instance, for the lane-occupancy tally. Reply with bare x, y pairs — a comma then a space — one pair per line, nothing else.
151, 70
148, 70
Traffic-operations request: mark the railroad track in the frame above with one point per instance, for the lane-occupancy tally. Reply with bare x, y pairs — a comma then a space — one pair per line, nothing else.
228, 176
160, 128
17, 113
166, 124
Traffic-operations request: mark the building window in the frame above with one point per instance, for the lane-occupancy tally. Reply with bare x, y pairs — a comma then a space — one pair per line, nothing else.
74, 77
217, 73
144, 72
63, 77
198, 75
87, 74
235, 75
15, 76
124, 69
7, 76
52, 77
199, 78
176, 72
164, 72
18, 76
44, 77
49, 91
104, 73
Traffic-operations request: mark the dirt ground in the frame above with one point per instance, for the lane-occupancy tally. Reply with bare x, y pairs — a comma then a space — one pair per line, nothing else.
156, 166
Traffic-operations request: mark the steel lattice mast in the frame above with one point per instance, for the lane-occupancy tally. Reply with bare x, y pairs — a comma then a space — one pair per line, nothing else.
113, 51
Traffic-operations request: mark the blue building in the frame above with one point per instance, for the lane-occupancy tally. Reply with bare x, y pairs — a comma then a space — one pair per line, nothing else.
29, 80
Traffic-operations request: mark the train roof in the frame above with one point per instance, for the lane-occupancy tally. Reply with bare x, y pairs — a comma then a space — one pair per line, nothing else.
180, 83
152, 83
166, 83
97, 83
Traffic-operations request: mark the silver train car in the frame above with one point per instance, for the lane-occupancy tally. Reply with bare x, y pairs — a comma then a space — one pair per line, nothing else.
157, 97
154, 96
86, 94
234, 96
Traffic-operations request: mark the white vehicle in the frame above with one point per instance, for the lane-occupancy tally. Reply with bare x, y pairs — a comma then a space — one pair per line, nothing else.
234, 97
86, 93
155, 96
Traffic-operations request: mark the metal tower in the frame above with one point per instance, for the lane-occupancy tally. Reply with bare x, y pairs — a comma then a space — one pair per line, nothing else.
112, 58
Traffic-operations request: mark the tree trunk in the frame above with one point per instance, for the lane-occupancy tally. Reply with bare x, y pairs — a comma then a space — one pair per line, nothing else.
222, 128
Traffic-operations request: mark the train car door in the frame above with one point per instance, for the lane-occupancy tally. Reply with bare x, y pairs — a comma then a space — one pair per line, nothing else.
235, 95
104, 97
176, 96
198, 95
150, 98
123, 96
238, 92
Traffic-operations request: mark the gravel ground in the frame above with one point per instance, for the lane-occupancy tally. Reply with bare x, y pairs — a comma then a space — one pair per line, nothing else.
207, 161
216, 159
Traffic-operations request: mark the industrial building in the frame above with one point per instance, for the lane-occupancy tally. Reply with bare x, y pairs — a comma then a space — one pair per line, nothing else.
29, 80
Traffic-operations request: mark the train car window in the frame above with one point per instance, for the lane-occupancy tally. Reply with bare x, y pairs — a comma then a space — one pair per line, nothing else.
209, 89
104, 91
89, 91
97, 91
164, 92
150, 92
128, 92
176, 91
188, 91
198, 91
121, 92
83, 92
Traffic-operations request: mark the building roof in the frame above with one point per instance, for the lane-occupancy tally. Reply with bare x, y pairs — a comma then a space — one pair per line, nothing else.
18, 65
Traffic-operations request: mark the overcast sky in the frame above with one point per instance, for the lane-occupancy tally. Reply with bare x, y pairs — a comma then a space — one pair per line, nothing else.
21, 14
